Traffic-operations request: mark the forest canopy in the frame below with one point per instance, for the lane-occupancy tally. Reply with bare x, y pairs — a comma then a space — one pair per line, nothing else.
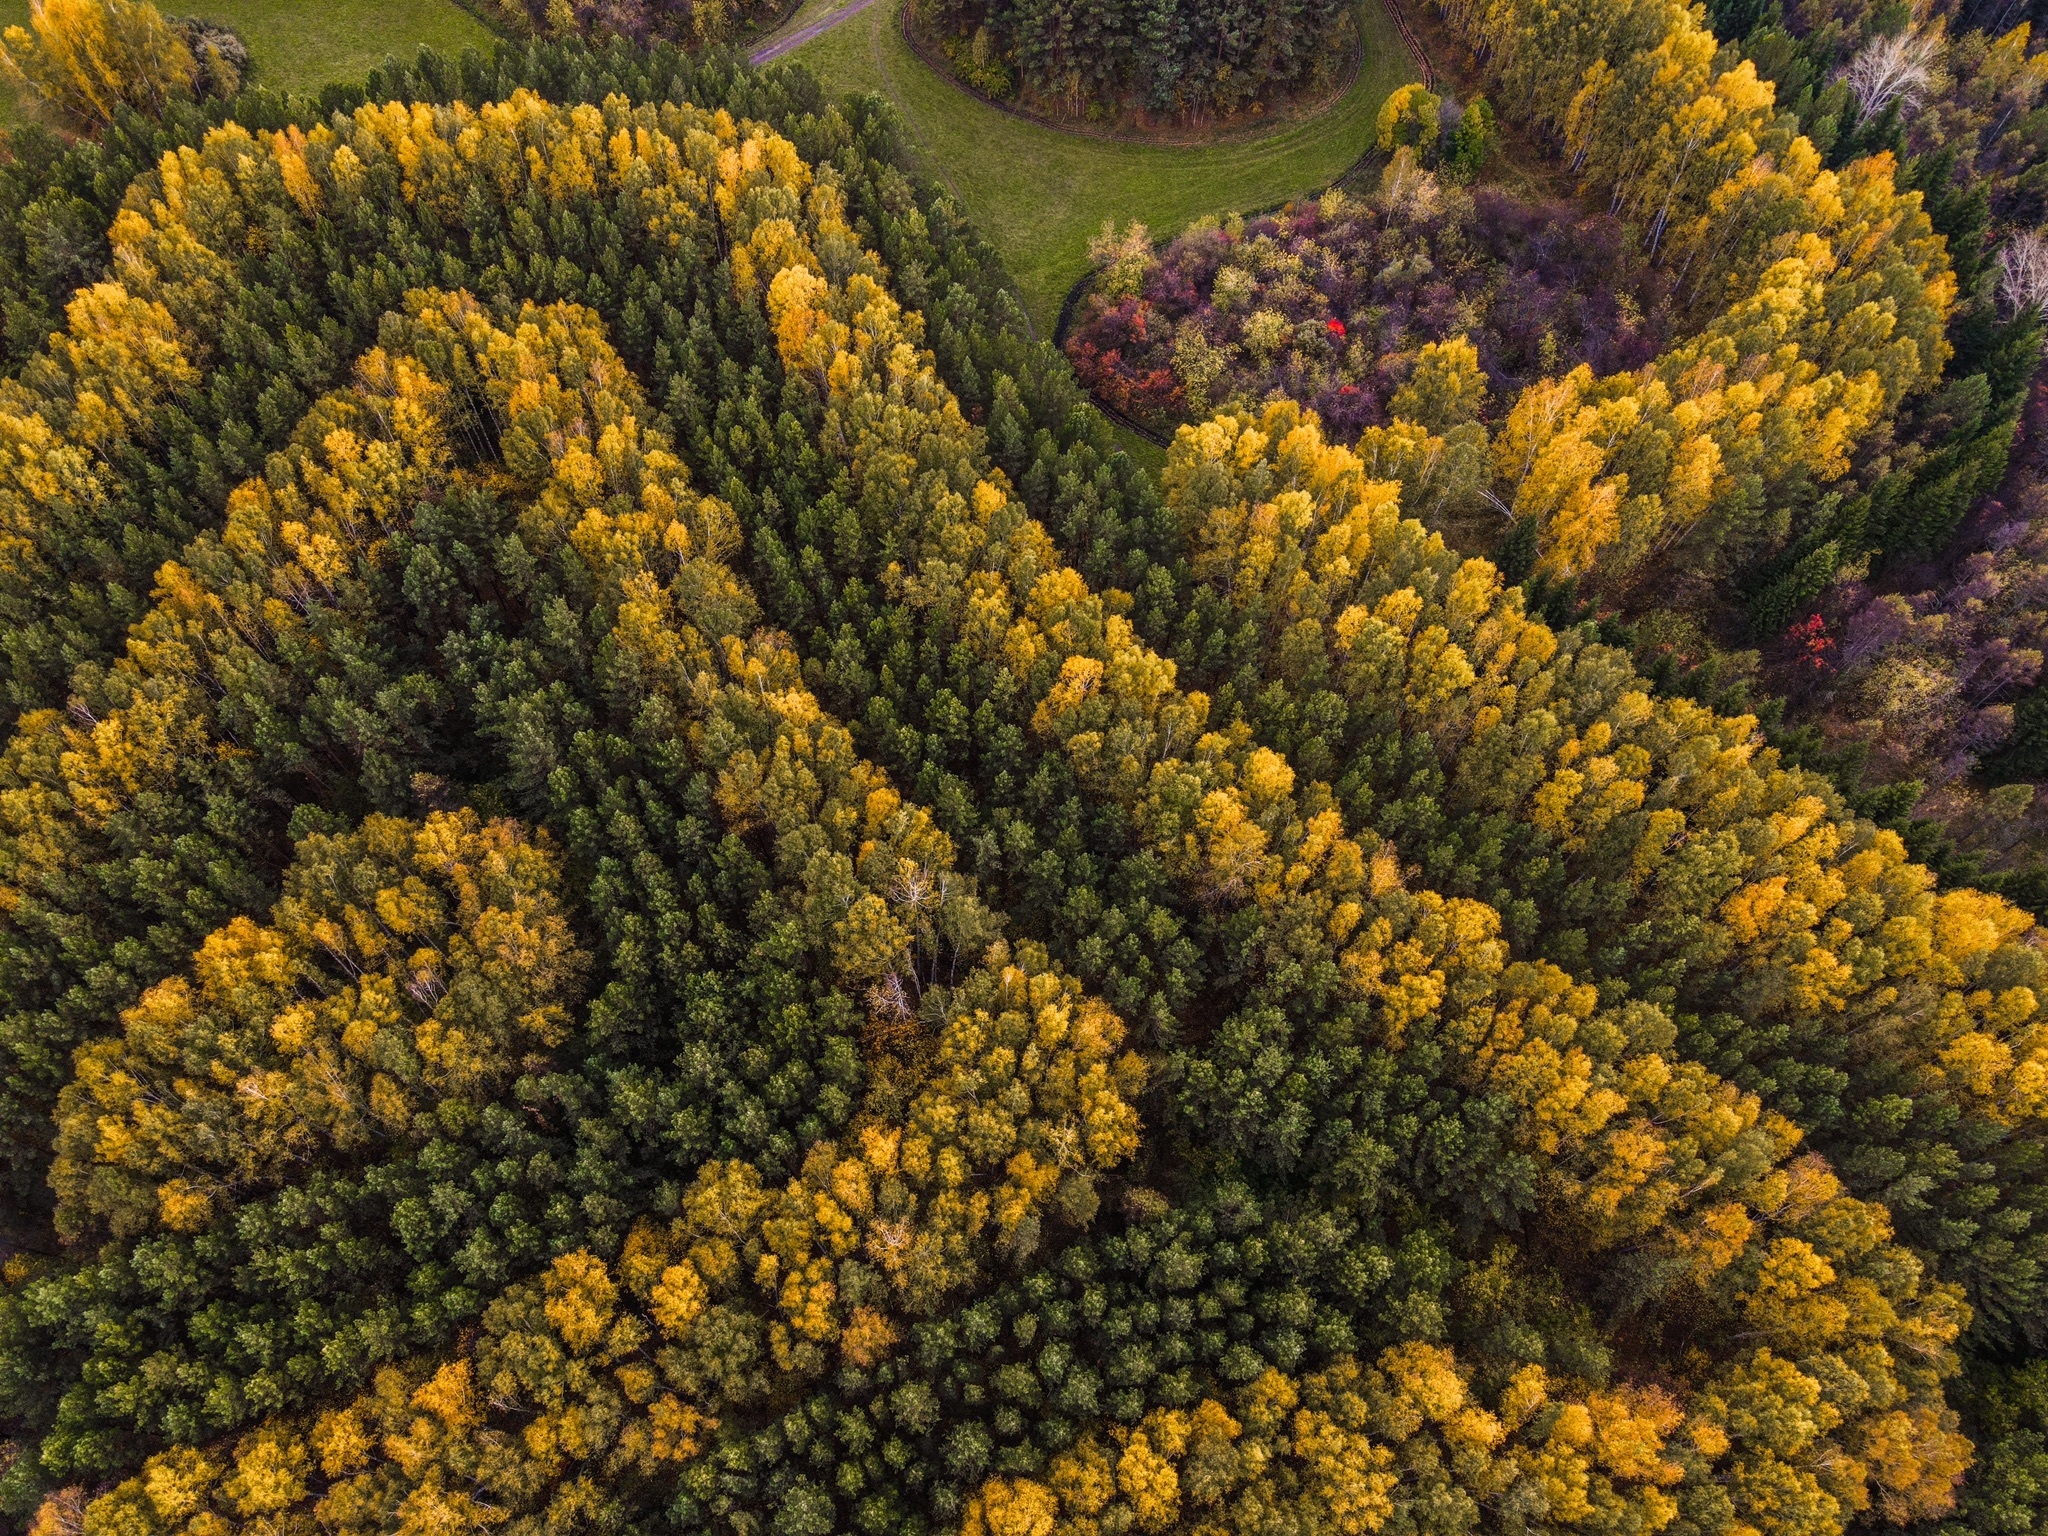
644, 885
1690, 401
1172, 61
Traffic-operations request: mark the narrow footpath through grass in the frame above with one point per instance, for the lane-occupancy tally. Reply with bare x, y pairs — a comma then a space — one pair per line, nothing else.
1039, 194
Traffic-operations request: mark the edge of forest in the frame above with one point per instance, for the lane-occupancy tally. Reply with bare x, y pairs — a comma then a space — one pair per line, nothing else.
1293, 115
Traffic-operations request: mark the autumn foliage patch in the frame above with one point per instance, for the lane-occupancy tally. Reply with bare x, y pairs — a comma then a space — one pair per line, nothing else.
642, 886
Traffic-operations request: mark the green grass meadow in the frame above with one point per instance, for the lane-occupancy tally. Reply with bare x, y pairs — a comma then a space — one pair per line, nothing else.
1039, 194
305, 44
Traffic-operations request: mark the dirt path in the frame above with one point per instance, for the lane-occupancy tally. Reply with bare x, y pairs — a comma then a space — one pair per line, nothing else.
776, 47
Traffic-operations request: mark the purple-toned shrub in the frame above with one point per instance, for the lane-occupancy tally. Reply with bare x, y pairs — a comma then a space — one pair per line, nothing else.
1327, 303
1928, 677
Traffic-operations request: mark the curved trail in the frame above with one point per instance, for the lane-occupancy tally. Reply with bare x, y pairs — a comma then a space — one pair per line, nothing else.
1040, 194
776, 47
787, 42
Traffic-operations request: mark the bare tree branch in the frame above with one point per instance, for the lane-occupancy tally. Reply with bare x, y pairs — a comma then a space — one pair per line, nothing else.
2023, 271
1892, 69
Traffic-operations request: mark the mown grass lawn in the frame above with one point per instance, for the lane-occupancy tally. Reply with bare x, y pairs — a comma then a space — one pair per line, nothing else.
305, 44
1039, 193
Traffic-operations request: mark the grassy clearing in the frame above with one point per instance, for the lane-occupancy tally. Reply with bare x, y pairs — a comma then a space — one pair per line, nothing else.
305, 44
1039, 193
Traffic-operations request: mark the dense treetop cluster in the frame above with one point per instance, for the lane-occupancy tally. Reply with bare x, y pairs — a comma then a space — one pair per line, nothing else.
1330, 302
643, 887
1803, 305
1891, 574
1173, 61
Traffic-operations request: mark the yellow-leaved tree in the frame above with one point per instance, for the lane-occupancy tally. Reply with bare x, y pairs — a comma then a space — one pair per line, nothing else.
80, 61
